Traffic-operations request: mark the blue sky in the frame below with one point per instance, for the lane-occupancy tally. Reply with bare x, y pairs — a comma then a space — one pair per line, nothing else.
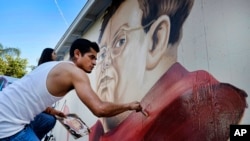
32, 25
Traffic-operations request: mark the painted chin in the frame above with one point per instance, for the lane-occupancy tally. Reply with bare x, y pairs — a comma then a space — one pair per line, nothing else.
103, 93
105, 90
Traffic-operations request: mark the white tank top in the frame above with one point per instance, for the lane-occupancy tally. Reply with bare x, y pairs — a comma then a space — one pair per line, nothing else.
25, 98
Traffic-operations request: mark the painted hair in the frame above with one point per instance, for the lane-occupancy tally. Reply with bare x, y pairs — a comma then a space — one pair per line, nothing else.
177, 10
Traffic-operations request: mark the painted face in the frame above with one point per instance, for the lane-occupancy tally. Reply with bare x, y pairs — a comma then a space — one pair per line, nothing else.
121, 61
131, 61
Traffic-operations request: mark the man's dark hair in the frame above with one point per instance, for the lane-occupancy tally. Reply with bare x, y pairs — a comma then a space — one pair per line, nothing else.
83, 45
46, 56
177, 10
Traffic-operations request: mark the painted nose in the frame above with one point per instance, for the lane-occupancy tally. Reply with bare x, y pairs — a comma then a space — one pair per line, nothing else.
106, 63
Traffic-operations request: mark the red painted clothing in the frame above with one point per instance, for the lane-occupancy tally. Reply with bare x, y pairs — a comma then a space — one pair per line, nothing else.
182, 105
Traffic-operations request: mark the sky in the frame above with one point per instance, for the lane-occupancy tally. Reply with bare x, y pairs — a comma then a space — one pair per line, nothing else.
32, 25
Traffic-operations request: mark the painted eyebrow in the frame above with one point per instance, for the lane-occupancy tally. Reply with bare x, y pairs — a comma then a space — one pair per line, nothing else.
123, 26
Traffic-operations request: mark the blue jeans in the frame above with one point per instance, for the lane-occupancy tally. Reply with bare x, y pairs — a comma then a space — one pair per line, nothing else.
36, 130
27, 134
42, 124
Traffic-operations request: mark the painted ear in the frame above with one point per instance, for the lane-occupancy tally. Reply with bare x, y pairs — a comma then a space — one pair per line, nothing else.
159, 34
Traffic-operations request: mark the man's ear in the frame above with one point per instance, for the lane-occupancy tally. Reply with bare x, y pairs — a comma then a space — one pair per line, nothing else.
77, 53
159, 35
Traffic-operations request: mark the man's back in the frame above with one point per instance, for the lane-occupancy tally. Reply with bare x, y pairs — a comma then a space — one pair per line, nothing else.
24, 99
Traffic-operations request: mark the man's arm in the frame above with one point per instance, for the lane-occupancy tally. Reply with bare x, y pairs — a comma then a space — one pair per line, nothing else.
98, 107
54, 112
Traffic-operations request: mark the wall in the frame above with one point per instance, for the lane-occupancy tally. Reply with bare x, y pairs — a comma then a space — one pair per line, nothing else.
215, 38
219, 42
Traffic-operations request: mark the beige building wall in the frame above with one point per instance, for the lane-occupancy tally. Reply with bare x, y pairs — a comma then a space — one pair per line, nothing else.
215, 38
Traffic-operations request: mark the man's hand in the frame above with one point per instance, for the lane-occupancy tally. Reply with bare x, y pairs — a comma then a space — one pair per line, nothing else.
55, 112
60, 114
135, 106
138, 108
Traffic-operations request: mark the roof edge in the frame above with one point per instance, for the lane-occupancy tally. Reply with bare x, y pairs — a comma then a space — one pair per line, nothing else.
71, 28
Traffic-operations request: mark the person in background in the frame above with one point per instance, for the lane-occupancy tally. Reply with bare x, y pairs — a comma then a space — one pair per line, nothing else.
48, 83
47, 55
45, 121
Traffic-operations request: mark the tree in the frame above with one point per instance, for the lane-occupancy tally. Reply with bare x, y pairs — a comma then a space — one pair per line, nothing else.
16, 66
10, 62
13, 66
9, 51
3, 66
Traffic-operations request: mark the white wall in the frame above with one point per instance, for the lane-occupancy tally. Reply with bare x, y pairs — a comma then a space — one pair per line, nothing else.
216, 38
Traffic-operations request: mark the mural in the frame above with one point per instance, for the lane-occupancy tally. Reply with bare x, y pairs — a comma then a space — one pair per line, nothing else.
139, 41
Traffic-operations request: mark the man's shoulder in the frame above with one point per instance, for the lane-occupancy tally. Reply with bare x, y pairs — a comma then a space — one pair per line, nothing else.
65, 65
69, 68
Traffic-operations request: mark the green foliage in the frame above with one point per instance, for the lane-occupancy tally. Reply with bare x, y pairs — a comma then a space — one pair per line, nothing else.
10, 62
3, 66
16, 66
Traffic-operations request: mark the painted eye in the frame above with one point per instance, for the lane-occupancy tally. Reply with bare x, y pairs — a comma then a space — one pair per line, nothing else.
120, 42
